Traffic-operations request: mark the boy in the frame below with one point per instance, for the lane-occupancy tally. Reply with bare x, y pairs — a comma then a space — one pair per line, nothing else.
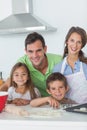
57, 88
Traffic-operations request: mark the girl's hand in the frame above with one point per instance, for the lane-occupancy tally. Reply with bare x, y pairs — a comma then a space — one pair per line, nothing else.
24, 101
20, 102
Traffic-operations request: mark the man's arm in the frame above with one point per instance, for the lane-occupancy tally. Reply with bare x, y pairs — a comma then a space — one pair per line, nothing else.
5, 86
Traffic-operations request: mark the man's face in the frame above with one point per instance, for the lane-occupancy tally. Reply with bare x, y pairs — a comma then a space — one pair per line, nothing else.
35, 52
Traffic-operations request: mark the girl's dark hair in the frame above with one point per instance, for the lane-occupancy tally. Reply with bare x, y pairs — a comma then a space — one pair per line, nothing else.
31, 38
83, 35
54, 77
29, 85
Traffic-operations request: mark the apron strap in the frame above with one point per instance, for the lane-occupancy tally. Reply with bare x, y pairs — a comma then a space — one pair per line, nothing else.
64, 64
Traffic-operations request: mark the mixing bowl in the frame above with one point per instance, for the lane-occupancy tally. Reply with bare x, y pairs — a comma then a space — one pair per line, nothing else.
3, 99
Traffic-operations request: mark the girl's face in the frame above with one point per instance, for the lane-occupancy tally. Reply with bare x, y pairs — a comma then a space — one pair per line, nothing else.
74, 44
57, 89
20, 76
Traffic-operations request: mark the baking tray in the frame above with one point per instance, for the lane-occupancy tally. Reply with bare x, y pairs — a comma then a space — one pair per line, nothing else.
82, 108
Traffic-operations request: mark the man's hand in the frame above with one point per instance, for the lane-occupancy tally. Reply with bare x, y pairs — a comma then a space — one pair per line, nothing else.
5, 85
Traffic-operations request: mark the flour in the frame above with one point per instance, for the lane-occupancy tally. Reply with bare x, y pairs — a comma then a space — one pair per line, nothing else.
45, 113
16, 110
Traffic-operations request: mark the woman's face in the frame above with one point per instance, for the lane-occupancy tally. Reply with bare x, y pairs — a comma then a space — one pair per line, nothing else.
74, 44
57, 89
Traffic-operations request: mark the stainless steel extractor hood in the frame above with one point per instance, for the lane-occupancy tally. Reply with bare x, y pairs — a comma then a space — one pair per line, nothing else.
23, 20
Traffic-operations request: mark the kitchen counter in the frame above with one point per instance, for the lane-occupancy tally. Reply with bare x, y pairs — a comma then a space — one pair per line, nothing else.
66, 120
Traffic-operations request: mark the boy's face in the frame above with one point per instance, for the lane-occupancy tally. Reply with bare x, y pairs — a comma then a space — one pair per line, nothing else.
57, 90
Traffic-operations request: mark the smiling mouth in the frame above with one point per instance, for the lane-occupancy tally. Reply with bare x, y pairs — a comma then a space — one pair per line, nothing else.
58, 95
35, 59
73, 49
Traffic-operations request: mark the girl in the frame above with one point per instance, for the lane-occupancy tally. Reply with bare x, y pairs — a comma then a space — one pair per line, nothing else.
22, 89
74, 65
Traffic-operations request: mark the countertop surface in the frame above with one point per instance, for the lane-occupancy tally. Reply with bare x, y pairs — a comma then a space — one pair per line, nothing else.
45, 113
40, 119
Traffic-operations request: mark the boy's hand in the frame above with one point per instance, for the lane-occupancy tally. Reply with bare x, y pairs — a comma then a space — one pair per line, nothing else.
53, 102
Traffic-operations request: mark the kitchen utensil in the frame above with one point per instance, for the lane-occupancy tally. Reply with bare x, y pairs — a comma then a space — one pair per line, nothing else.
3, 98
81, 108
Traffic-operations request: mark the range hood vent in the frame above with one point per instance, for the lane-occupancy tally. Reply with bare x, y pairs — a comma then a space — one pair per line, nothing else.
23, 20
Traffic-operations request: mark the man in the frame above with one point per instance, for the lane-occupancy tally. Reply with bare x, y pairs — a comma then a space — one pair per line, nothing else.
39, 63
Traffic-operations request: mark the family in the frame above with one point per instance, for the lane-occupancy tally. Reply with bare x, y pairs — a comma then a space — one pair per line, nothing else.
40, 78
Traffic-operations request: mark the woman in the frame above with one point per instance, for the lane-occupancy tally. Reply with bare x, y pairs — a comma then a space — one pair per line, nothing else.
74, 64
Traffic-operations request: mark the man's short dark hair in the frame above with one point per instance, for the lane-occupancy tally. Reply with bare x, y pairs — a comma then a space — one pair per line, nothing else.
32, 37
